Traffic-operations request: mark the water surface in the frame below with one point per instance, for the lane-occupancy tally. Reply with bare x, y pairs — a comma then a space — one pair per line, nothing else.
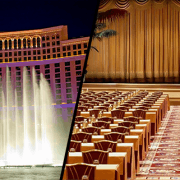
34, 173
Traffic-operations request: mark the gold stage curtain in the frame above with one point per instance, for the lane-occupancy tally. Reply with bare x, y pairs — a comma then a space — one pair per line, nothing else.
146, 47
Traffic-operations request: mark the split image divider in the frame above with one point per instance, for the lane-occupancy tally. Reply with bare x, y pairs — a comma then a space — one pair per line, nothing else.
80, 88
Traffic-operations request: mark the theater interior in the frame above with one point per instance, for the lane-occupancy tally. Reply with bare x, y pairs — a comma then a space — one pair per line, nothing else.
128, 117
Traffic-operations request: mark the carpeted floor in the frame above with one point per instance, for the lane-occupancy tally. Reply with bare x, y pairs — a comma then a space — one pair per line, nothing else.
163, 158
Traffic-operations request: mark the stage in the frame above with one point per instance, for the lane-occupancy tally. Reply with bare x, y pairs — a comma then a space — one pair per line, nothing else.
172, 89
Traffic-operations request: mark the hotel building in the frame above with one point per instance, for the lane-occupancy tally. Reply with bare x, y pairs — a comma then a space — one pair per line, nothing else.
51, 53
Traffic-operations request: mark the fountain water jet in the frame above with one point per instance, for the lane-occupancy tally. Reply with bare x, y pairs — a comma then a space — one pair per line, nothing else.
27, 132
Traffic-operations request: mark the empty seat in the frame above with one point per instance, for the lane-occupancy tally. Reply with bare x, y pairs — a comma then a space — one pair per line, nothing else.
132, 119
94, 112
78, 113
75, 146
118, 113
121, 129
95, 103
139, 113
95, 156
102, 108
84, 100
129, 124
148, 105
89, 105
100, 100
130, 105
79, 118
101, 124
143, 107
106, 145
126, 108
79, 124
106, 119
82, 136
115, 136
80, 171
93, 130
83, 108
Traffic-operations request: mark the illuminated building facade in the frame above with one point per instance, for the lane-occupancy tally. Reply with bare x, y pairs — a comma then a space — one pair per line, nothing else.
51, 53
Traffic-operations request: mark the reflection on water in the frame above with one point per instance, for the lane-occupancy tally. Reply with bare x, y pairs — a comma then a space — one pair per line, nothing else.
34, 173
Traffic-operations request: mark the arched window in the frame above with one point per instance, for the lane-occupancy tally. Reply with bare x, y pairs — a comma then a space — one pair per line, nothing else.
0, 45
43, 38
19, 43
5, 43
57, 36
53, 37
29, 42
10, 44
47, 38
24, 43
15, 44
38, 42
34, 42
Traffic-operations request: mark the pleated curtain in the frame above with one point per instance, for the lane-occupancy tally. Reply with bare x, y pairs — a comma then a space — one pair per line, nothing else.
146, 47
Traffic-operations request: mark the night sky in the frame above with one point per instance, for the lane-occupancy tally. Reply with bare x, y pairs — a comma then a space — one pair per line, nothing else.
18, 15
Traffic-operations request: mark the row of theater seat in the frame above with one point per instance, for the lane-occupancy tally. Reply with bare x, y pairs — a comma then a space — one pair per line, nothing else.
117, 103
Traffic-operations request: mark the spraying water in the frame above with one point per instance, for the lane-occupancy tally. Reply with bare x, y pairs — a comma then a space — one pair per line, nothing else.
27, 132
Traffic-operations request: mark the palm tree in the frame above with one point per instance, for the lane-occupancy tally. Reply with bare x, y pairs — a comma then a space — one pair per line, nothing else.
100, 32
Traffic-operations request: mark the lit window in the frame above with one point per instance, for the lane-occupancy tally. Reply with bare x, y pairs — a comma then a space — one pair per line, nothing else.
57, 75
47, 38
47, 66
74, 47
79, 46
68, 79
68, 96
68, 84
67, 63
67, 68
85, 45
78, 67
68, 90
78, 62
68, 74
58, 91
56, 64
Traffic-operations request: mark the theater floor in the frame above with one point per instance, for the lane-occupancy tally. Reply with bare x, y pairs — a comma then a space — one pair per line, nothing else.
163, 158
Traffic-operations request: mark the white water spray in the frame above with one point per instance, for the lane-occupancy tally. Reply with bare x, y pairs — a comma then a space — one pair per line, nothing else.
27, 132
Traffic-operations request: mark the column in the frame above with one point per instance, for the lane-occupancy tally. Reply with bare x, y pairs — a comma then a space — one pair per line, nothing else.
7, 43
40, 41
73, 81
36, 41
52, 79
12, 42
26, 43
3, 45
31, 42
63, 82
21, 43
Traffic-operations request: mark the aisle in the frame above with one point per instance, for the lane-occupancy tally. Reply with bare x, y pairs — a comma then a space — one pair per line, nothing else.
163, 158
